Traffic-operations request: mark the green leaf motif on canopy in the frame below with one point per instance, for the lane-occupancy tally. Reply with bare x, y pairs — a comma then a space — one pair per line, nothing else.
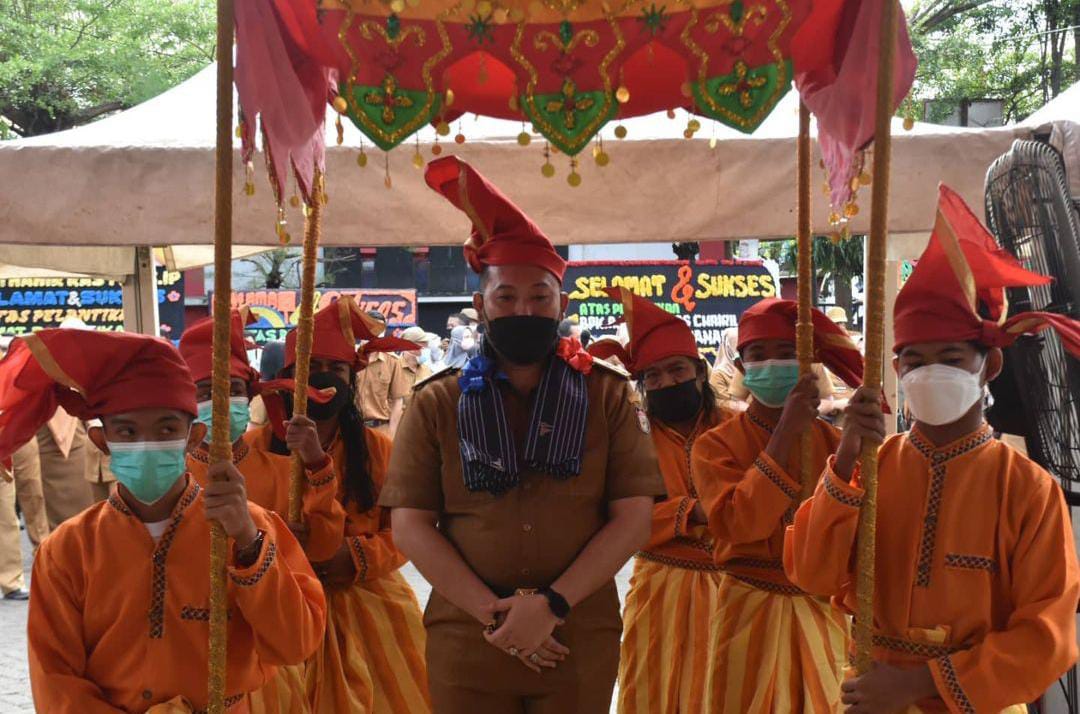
567, 118
388, 114
746, 96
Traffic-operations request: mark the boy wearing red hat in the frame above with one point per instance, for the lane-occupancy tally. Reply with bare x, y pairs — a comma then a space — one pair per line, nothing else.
976, 581
267, 475
773, 647
520, 485
371, 658
672, 596
142, 557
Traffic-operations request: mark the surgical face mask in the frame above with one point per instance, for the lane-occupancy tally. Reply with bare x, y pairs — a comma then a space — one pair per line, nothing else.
239, 415
940, 394
771, 381
468, 343
148, 469
676, 404
424, 357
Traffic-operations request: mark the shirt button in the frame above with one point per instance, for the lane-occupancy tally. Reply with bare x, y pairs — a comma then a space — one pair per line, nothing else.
524, 571
147, 694
526, 527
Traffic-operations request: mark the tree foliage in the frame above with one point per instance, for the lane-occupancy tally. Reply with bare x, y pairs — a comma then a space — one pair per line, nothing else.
1022, 52
67, 62
835, 263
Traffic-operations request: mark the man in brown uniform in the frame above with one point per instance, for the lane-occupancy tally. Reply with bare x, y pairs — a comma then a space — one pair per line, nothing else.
381, 388
520, 485
415, 363
98, 474
62, 447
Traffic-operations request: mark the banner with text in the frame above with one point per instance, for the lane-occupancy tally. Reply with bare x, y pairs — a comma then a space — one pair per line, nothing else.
28, 304
278, 310
710, 296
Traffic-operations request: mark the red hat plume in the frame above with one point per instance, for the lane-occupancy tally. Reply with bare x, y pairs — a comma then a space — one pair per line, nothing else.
502, 234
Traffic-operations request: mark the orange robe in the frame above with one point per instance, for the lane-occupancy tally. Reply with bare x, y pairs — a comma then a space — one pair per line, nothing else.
976, 569
372, 657
773, 647
266, 478
673, 592
145, 640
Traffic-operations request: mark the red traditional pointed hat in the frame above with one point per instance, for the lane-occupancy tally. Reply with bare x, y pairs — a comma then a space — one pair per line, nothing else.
384, 344
607, 347
501, 234
338, 327
957, 291
655, 333
90, 374
775, 319
197, 347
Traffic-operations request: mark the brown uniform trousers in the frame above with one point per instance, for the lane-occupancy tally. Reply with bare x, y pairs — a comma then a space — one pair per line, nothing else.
524, 538
63, 471
24, 484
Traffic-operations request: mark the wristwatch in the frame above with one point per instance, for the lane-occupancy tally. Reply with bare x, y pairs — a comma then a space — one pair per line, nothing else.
560, 608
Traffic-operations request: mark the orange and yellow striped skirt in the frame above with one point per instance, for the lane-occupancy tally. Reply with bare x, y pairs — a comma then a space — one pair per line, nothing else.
372, 657
286, 693
773, 652
664, 658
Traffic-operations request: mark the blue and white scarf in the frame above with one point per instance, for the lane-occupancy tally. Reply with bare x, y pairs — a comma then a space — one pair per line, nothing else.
553, 443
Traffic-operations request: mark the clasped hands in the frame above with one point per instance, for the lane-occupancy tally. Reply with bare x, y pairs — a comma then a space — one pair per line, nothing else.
522, 626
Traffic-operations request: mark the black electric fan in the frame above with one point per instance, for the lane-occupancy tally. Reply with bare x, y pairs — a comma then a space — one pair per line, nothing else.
1029, 210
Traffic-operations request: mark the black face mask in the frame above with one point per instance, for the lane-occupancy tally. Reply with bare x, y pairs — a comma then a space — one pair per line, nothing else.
325, 412
523, 339
675, 404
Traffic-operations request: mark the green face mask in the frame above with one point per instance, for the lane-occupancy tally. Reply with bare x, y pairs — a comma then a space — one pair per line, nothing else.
239, 416
148, 469
771, 381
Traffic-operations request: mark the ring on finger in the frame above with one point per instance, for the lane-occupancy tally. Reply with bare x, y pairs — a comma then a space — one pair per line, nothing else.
513, 651
534, 658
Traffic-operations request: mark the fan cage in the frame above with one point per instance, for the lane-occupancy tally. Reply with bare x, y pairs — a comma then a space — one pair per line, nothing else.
1029, 210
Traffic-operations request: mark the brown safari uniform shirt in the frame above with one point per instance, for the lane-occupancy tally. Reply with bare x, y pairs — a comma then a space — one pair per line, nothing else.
415, 374
378, 385
525, 538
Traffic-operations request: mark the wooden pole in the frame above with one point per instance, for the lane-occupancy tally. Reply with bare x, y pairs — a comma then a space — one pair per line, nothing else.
304, 334
220, 444
875, 336
804, 335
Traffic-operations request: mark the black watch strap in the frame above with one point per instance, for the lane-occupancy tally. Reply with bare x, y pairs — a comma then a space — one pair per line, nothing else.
560, 608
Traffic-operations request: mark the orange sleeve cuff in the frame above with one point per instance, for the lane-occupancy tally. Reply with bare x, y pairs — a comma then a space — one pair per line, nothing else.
843, 493
322, 475
778, 476
251, 575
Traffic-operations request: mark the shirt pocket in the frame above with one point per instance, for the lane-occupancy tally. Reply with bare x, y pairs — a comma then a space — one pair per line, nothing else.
970, 563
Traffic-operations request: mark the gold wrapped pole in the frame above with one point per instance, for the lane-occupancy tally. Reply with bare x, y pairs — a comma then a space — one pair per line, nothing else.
875, 337
220, 444
804, 335
304, 331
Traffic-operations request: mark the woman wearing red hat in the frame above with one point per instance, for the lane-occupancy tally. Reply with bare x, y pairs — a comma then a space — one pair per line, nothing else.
520, 485
773, 647
371, 659
143, 557
672, 598
976, 581
266, 474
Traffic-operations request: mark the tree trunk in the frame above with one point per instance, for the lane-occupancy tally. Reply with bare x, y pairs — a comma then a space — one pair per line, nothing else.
843, 293
1076, 39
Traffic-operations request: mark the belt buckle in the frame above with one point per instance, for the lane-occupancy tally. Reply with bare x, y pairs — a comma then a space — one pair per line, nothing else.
526, 591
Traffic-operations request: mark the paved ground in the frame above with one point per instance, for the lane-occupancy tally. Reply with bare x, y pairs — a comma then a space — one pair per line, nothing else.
15, 678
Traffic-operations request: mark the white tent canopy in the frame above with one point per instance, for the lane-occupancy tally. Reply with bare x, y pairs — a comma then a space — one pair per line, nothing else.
1059, 119
144, 176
